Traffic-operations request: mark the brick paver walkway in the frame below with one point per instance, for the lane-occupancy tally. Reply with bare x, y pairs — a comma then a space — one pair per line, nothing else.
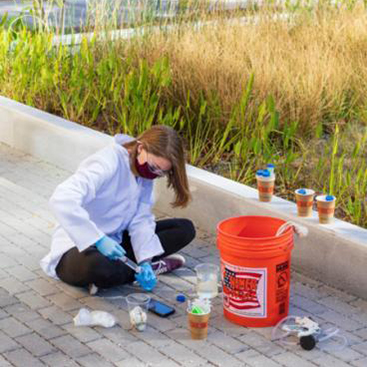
36, 313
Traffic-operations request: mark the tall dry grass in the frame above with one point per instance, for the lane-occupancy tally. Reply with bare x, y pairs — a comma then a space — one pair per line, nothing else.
314, 64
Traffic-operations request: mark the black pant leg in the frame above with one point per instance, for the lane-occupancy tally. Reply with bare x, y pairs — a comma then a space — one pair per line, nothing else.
174, 234
91, 267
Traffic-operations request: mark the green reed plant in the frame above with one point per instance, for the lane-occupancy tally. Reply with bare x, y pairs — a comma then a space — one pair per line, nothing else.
342, 171
137, 107
81, 85
334, 164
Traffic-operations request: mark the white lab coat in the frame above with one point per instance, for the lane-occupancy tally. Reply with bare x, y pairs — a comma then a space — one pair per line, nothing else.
103, 197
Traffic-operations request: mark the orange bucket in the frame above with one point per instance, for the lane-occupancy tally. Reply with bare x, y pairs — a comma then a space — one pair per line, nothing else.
255, 269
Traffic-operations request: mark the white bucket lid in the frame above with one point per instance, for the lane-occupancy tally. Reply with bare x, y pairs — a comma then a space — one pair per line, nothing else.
325, 198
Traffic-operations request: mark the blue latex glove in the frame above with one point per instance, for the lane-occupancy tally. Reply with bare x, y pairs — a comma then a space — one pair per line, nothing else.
109, 248
146, 278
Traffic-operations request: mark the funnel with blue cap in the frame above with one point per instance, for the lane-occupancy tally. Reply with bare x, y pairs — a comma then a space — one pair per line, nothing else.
304, 200
270, 167
265, 184
326, 208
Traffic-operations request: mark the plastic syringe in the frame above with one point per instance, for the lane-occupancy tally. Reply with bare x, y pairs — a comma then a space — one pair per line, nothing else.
130, 264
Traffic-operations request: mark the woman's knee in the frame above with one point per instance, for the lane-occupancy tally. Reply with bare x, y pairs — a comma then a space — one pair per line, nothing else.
109, 273
188, 229
99, 267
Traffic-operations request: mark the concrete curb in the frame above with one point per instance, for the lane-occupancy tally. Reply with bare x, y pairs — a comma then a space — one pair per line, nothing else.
334, 253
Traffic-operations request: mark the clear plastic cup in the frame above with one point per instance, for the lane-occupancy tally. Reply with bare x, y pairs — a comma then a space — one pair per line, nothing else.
207, 280
137, 304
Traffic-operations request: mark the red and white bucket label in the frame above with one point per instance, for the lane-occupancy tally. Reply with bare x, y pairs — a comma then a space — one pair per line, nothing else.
244, 290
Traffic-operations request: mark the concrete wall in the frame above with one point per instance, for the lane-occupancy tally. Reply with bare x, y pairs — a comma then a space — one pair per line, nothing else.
46, 136
335, 253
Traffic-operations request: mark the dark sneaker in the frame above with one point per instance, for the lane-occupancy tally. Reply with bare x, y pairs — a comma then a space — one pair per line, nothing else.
168, 264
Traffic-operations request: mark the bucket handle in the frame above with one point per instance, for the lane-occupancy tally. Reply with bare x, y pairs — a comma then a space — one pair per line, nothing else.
301, 231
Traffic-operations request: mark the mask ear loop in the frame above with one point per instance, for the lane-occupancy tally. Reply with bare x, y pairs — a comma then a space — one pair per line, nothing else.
139, 144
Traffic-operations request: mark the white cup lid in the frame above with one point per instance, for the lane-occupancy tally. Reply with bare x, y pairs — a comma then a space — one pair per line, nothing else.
325, 198
306, 192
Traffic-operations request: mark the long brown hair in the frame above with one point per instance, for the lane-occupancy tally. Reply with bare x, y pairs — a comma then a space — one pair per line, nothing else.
163, 141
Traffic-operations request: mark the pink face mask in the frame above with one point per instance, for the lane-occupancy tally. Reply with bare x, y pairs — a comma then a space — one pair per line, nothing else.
144, 171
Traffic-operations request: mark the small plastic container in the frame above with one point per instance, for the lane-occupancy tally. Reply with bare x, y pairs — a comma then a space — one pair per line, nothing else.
207, 280
326, 208
304, 200
138, 304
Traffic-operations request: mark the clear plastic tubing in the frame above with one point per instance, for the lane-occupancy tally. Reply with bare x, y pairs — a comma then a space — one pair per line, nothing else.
130, 263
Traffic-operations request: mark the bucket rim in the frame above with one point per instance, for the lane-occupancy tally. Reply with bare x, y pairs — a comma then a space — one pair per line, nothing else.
284, 234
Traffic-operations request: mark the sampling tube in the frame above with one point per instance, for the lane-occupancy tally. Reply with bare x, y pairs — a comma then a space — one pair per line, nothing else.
130, 264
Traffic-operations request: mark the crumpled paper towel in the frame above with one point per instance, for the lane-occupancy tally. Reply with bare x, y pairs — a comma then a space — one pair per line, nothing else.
94, 318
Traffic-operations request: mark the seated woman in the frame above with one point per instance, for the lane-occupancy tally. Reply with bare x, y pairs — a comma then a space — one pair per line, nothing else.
104, 212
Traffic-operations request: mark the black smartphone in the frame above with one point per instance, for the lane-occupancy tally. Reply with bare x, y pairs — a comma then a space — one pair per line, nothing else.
160, 309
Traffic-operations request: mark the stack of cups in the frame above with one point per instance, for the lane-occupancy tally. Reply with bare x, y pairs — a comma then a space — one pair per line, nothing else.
265, 184
304, 200
325, 208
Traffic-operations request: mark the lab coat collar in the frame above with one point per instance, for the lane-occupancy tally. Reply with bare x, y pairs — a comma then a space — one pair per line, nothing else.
122, 138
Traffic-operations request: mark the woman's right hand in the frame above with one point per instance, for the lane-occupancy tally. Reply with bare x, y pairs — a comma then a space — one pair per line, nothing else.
109, 248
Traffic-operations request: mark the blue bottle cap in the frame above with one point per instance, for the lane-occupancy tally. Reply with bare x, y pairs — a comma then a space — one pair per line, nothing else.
329, 198
266, 173
270, 165
180, 298
260, 172
302, 191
